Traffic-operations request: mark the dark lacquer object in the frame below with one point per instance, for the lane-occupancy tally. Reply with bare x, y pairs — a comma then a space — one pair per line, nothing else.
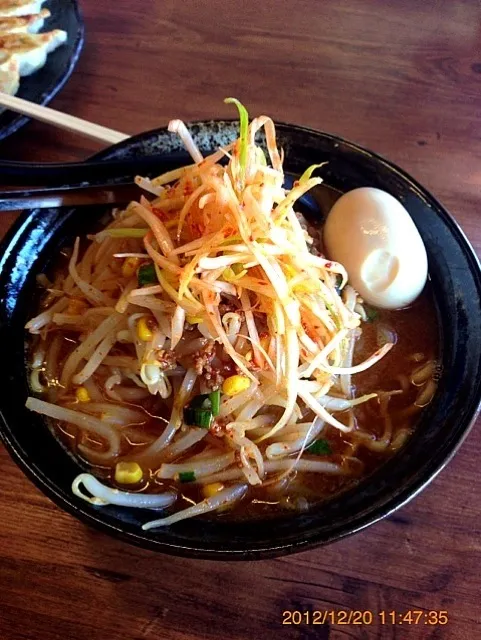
41, 87
34, 242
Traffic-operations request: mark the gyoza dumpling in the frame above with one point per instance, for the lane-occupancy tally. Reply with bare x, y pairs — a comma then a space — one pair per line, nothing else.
24, 24
31, 50
20, 7
9, 75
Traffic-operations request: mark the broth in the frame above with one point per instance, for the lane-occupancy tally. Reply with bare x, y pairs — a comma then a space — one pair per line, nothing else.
415, 330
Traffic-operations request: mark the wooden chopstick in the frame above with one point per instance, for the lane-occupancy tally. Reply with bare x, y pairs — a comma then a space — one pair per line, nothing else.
62, 120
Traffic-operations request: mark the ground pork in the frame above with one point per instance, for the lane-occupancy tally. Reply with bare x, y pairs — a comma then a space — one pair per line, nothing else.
166, 358
203, 357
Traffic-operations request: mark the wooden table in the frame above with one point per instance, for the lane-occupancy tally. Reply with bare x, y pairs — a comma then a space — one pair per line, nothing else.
402, 78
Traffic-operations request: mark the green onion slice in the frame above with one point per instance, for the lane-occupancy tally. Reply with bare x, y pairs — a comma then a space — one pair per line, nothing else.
198, 417
215, 402
202, 401
320, 448
201, 409
147, 275
186, 476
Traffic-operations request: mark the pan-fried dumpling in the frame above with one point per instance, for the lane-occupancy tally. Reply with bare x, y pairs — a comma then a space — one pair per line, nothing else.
31, 50
9, 75
20, 7
9, 83
24, 24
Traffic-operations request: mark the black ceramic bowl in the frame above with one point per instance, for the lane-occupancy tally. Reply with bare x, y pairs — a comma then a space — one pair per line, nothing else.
35, 240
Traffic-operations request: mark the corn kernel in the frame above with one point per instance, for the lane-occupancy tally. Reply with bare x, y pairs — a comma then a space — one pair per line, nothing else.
237, 268
248, 356
194, 319
130, 266
228, 275
143, 330
211, 489
235, 384
82, 394
235, 272
76, 307
128, 473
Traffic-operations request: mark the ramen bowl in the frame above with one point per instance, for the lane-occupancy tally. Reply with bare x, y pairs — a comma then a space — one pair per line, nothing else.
37, 237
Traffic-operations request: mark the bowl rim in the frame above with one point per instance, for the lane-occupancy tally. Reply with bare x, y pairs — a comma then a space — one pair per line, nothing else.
388, 506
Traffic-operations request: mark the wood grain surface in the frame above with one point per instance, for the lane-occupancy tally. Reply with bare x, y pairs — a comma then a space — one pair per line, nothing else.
400, 77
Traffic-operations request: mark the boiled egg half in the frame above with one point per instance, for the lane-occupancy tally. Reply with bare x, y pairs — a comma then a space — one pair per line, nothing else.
373, 236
